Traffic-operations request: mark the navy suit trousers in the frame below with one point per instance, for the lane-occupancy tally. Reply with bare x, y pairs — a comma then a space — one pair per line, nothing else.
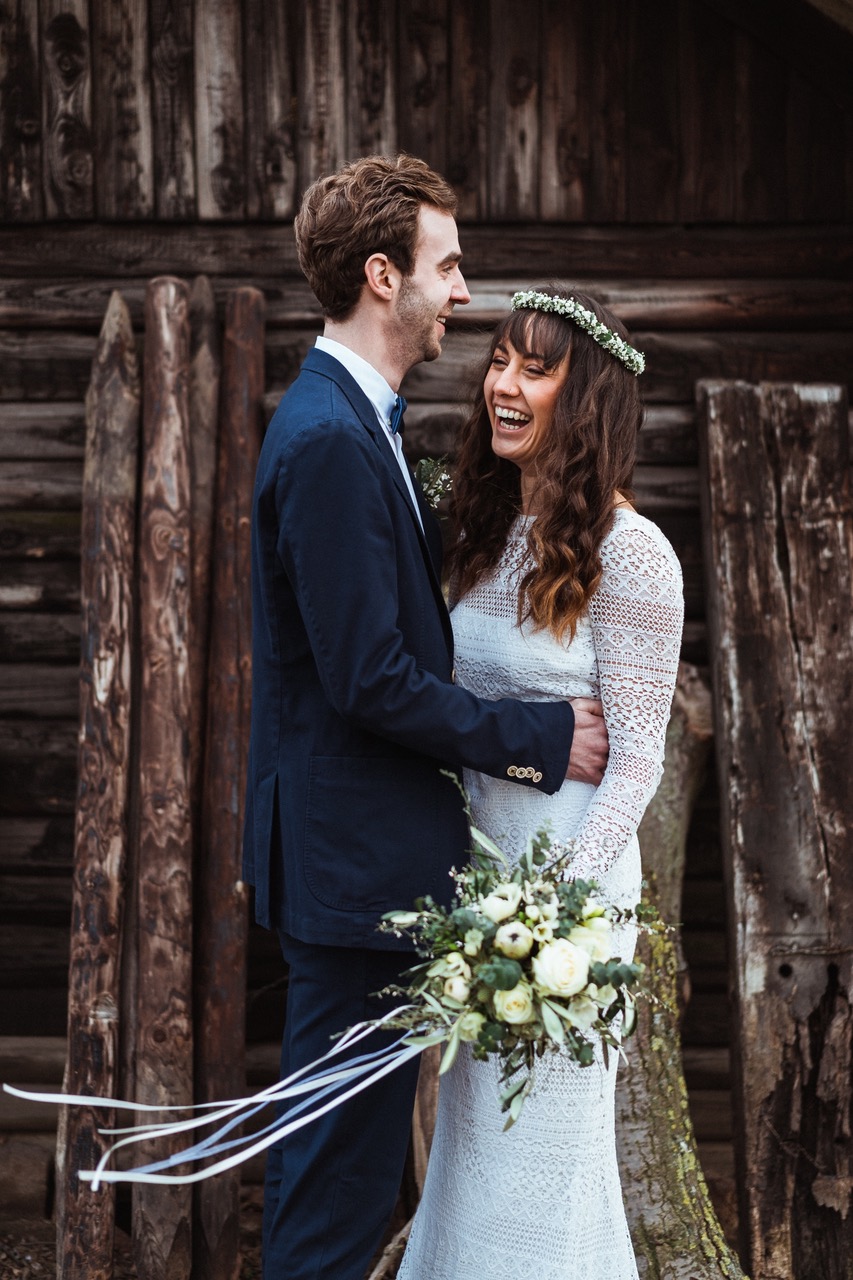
331, 1187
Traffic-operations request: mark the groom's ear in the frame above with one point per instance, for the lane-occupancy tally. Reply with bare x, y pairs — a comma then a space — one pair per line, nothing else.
382, 277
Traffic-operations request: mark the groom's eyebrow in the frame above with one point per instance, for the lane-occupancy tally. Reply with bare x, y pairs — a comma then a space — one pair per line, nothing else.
447, 261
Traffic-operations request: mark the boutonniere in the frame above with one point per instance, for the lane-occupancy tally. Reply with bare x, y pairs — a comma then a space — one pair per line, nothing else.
433, 475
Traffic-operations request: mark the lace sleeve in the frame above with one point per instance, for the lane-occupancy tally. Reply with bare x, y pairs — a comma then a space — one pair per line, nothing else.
636, 618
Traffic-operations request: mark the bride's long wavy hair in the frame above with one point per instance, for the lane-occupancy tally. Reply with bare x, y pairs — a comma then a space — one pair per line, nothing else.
587, 456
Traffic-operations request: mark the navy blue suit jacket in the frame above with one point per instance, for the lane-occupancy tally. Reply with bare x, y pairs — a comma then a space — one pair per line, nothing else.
354, 715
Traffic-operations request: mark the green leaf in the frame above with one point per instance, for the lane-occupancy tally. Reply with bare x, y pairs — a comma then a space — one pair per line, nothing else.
553, 1022
449, 1055
501, 974
489, 847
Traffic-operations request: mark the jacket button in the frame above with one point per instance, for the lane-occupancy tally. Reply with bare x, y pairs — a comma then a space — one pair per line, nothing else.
512, 771
537, 777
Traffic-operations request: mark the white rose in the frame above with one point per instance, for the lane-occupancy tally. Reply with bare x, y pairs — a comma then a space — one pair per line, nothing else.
470, 1025
457, 989
543, 932
516, 1005
582, 1013
502, 902
561, 968
473, 942
594, 936
514, 940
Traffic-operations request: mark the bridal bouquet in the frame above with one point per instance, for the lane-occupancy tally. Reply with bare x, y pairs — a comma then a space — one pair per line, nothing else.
521, 965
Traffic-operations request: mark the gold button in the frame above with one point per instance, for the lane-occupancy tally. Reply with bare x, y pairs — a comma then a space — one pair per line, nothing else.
512, 770
453, 676
537, 777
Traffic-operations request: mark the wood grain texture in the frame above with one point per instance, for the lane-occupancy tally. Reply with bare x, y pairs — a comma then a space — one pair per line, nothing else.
222, 898
124, 164
271, 40
468, 124
371, 43
608, 110
21, 193
565, 160
779, 551
321, 89
85, 1222
163, 870
219, 118
652, 119
706, 115
423, 65
514, 82
171, 35
67, 114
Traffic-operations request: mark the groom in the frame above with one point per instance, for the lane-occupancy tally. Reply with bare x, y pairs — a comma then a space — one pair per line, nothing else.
355, 715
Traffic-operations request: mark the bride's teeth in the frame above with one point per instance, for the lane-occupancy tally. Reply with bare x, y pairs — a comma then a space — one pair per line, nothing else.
509, 416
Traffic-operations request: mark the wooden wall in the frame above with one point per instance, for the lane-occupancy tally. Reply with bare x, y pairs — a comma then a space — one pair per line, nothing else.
616, 111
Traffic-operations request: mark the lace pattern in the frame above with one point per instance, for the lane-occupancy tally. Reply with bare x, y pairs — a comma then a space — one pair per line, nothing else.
545, 1199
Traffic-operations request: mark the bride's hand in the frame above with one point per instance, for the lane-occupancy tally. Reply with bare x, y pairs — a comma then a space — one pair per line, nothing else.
590, 747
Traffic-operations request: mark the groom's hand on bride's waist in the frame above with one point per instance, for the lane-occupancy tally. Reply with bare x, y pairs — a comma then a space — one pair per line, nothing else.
588, 757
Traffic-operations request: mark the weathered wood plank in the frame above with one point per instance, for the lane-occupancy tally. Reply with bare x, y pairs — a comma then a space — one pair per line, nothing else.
608, 110
219, 120
42, 431
370, 92
122, 121
163, 857
760, 109
34, 955
271, 111
41, 1060
467, 142
706, 117
423, 85
52, 585
514, 80
564, 163
85, 1223
21, 192
37, 899
172, 78
320, 87
246, 252
42, 844
779, 550
51, 486
67, 115
37, 691
38, 767
222, 898
39, 535
815, 148
652, 118
50, 366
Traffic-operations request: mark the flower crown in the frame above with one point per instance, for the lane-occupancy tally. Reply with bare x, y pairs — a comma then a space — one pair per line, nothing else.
530, 300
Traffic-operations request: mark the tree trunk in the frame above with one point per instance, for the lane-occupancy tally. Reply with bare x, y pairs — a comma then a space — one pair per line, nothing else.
84, 1219
221, 896
161, 1216
779, 556
673, 1224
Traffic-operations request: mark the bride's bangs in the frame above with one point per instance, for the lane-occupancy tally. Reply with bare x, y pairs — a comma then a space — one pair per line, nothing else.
534, 333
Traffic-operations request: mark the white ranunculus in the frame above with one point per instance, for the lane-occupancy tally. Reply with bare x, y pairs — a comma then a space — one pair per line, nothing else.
473, 942
516, 1005
594, 936
455, 965
470, 1025
561, 968
543, 932
551, 909
502, 902
582, 1013
514, 940
532, 912
457, 989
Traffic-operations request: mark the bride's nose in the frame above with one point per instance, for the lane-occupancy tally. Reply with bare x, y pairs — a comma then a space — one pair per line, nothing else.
507, 382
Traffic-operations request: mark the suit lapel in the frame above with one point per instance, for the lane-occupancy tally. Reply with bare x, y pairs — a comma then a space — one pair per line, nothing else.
429, 536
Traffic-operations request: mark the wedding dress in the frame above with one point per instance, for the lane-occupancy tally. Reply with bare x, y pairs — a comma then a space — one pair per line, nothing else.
544, 1199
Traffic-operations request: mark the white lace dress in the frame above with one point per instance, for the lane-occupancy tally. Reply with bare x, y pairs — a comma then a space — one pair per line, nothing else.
545, 1199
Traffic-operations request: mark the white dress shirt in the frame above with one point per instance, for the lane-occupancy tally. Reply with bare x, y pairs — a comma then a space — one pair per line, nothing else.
380, 395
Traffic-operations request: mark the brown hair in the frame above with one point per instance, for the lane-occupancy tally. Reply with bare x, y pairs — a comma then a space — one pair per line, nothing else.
587, 456
371, 205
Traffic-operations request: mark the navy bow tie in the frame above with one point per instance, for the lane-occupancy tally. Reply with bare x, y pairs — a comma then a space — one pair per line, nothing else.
397, 416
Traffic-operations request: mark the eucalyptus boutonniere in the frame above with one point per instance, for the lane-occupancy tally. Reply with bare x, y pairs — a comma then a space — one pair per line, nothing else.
433, 475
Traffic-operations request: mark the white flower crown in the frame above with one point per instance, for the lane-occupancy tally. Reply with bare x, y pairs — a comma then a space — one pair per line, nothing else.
530, 300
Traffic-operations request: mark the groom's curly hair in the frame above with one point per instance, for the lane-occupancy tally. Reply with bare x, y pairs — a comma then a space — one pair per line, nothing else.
587, 457
371, 205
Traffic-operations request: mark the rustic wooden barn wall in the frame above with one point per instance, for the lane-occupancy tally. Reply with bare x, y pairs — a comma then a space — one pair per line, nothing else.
690, 161
554, 110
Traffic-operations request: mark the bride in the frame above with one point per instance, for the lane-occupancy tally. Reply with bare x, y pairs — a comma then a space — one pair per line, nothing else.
561, 590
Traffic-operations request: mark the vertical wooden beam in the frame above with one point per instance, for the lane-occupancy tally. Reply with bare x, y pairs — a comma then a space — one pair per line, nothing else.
371, 76
607, 51
124, 168
706, 115
219, 125
422, 89
84, 1220
271, 109
173, 124
221, 896
779, 552
321, 90
653, 117
564, 158
21, 196
514, 80
760, 113
67, 109
161, 1216
467, 144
